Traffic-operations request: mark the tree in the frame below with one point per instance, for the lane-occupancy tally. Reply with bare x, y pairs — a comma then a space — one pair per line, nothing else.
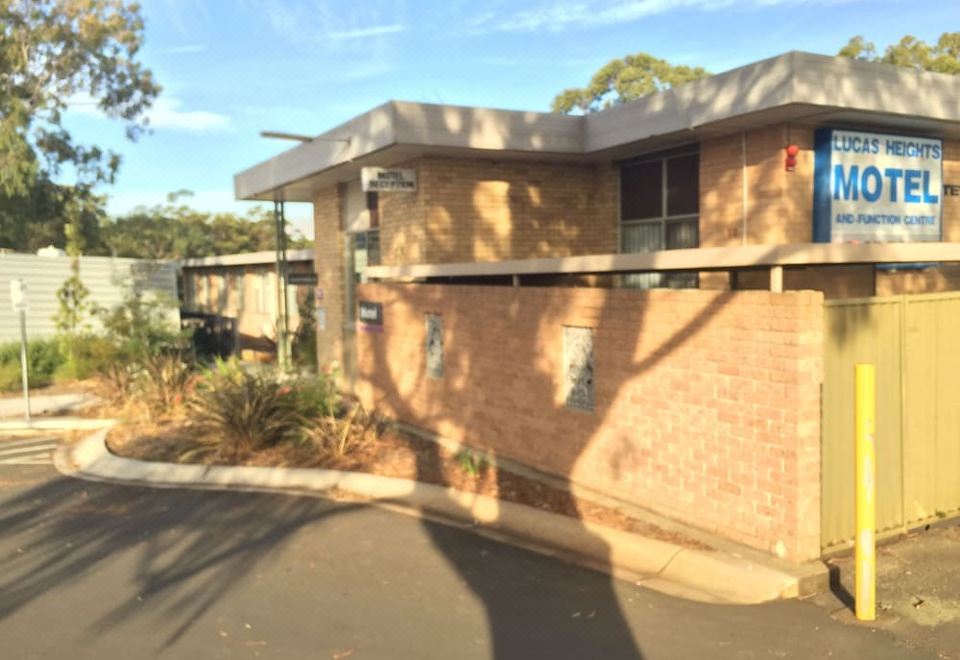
54, 53
176, 231
40, 217
910, 52
623, 80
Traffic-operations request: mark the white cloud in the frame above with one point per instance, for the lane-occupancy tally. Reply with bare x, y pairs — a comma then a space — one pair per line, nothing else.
372, 31
364, 26
166, 113
186, 49
559, 16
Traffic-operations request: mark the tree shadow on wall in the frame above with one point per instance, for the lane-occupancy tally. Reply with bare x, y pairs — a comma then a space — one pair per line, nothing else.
523, 324
506, 366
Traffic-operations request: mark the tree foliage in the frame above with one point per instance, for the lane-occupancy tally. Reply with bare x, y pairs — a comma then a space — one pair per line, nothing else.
47, 213
910, 52
54, 53
176, 231
623, 80
640, 74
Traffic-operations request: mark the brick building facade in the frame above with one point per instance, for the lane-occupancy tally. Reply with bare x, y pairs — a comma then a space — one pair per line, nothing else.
704, 391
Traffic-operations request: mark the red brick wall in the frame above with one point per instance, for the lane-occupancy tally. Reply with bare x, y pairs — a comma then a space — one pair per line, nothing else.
707, 402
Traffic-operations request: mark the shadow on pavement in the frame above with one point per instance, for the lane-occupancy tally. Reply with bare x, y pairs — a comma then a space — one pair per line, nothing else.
192, 546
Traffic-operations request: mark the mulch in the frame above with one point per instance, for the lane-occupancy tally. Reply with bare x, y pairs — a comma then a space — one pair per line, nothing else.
392, 454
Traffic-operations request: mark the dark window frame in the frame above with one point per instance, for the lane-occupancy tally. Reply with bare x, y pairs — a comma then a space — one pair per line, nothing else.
664, 219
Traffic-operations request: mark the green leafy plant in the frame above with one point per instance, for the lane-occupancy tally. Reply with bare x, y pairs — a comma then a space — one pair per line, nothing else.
472, 462
140, 352
316, 396
44, 358
246, 410
140, 327
304, 346
162, 383
336, 437
74, 311
86, 355
10, 376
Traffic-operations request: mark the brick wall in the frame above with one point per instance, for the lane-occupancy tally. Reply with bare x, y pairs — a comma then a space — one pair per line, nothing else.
780, 210
707, 402
403, 237
779, 203
483, 210
328, 255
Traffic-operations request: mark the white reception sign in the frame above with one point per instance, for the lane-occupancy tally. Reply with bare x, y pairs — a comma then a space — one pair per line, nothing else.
380, 179
873, 187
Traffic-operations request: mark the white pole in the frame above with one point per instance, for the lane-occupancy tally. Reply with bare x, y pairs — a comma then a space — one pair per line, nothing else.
23, 362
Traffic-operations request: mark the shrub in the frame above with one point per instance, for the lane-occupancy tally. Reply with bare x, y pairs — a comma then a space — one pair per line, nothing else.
10, 377
335, 437
304, 345
140, 327
162, 384
115, 381
86, 355
316, 396
43, 360
248, 410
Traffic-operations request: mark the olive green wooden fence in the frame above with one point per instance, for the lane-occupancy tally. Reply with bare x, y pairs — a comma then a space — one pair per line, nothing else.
913, 341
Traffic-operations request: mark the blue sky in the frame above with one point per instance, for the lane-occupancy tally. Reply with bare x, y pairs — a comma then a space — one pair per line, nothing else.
232, 69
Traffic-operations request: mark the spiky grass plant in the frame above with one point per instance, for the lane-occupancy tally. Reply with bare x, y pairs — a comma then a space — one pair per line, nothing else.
247, 411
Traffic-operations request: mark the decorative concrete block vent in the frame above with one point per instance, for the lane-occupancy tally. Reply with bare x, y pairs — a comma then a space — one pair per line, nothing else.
578, 368
434, 323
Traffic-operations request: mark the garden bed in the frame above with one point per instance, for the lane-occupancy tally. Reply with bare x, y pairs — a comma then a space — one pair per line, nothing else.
391, 454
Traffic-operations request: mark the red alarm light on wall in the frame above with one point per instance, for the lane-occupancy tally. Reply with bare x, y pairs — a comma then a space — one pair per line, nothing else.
791, 161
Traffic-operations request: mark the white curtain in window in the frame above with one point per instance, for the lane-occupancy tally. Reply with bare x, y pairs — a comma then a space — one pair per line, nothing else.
641, 238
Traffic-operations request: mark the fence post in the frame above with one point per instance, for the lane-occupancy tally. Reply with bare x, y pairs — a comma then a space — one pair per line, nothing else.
866, 542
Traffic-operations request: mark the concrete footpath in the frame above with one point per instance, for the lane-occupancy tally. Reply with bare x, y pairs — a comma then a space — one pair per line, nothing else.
12, 408
707, 576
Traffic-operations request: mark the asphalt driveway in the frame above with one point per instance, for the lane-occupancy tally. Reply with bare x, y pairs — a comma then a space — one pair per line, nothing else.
104, 571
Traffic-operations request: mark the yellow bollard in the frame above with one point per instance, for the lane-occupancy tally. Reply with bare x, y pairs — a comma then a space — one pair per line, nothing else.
866, 543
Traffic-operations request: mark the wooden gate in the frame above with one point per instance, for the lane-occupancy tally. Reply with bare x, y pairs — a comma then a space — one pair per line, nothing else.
912, 340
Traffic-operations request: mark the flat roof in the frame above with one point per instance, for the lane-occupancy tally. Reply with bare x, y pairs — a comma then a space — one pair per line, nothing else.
246, 258
796, 87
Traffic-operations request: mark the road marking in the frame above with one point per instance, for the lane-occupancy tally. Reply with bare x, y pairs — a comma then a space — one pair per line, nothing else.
32, 451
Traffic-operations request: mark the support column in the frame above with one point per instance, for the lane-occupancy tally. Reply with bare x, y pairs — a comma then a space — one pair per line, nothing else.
283, 328
776, 279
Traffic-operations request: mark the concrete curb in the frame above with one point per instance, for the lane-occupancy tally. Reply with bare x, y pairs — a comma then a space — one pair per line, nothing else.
54, 424
696, 574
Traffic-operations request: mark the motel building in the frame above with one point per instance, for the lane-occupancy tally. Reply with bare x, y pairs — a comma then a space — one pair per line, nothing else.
662, 302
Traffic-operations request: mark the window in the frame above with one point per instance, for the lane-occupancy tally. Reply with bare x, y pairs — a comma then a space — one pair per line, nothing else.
362, 220
659, 206
236, 294
221, 293
366, 252
189, 295
203, 291
263, 290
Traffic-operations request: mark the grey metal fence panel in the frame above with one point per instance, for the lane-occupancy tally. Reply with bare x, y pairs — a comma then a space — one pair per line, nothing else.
107, 278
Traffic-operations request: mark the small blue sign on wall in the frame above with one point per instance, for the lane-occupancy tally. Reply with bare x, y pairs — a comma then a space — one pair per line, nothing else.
876, 188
